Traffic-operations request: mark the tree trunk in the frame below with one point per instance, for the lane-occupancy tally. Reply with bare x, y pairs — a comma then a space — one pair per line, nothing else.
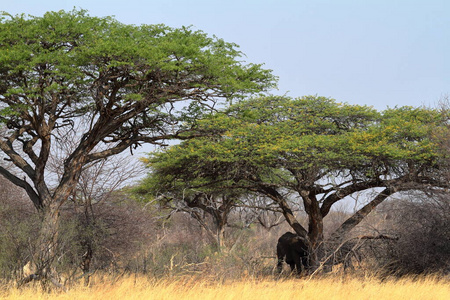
315, 234
220, 237
46, 247
87, 246
47, 243
315, 228
315, 225
86, 262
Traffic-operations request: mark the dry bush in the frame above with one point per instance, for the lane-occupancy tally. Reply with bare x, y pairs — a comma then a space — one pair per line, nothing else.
422, 225
111, 236
18, 228
116, 232
183, 247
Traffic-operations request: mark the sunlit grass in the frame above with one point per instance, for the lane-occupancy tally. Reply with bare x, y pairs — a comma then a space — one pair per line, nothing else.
198, 288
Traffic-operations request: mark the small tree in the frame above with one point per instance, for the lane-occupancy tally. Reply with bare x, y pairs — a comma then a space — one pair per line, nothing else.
198, 202
314, 150
124, 81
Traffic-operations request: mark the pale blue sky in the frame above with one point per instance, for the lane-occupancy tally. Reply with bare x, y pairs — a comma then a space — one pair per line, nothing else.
380, 52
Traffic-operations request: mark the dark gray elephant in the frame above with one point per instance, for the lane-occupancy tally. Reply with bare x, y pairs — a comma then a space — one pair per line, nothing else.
292, 249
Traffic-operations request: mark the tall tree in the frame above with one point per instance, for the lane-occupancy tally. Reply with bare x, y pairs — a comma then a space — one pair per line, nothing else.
124, 81
313, 149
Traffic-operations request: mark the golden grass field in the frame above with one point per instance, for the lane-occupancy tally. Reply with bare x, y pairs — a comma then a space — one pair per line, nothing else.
191, 288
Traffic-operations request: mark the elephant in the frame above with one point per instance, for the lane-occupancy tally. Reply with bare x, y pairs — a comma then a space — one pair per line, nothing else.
292, 249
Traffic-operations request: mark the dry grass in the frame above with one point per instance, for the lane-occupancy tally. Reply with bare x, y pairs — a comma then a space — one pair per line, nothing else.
195, 288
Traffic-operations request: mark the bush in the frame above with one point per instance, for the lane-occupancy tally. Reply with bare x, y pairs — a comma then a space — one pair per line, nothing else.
19, 224
423, 228
107, 236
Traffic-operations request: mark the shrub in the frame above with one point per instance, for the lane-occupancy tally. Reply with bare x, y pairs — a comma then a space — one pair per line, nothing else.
423, 228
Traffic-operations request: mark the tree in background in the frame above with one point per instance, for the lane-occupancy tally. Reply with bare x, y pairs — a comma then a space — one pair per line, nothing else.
128, 83
200, 203
312, 149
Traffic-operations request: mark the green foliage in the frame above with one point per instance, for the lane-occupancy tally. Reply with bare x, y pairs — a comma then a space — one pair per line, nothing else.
295, 142
402, 139
68, 61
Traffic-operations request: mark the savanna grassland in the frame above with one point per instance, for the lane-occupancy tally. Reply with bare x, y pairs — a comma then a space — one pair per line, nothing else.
268, 288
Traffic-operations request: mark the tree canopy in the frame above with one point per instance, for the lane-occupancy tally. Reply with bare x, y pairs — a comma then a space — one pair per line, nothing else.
121, 80
313, 149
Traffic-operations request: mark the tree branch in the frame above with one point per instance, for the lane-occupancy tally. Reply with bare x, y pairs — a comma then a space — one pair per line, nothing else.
286, 210
34, 197
344, 192
18, 161
354, 220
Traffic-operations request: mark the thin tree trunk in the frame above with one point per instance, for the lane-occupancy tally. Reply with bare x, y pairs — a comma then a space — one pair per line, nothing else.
86, 263
221, 238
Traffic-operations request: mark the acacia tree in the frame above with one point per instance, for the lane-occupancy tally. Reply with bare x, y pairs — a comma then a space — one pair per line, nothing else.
124, 80
201, 206
315, 150
200, 202
201, 198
